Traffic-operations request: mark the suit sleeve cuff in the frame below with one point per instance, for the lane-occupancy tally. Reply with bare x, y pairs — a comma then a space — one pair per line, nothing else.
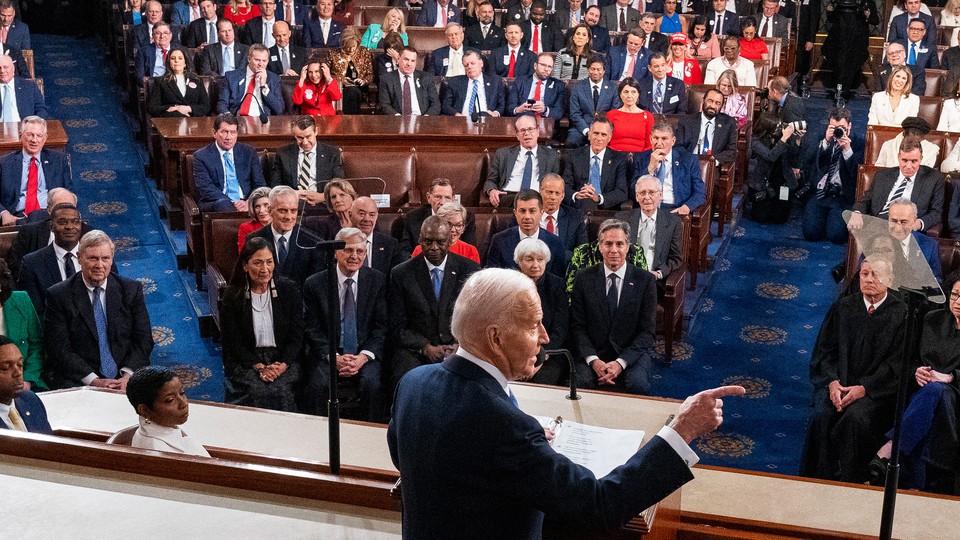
369, 354
622, 363
689, 457
923, 226
89, 379
847, 154
600, 202
591, 358
126, 371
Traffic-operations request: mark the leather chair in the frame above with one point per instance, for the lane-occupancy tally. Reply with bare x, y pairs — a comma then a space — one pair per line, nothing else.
935, 79
700, 224
6, 243
489, 221
124, 437
423, 38
396, 167
287, 84
878, 135
930, 108
466, 171
221, 256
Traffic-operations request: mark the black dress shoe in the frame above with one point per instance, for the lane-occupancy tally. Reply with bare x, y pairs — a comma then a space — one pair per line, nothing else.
878, 471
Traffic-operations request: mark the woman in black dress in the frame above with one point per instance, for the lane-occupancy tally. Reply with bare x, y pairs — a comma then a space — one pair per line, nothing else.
178, 92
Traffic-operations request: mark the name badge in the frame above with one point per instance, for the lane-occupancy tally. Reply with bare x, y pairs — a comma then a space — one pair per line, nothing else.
382, 199
506, 59
674, 99
446, 61
273, 58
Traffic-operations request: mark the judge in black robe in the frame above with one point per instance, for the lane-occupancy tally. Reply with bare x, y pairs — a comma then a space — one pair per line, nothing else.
859, 352
845, 49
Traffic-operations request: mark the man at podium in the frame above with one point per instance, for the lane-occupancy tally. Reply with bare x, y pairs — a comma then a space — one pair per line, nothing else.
474, 465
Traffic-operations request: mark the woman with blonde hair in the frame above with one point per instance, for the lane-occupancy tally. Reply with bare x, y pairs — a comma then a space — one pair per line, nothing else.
734, 104
393, 21
890, 107
240, 11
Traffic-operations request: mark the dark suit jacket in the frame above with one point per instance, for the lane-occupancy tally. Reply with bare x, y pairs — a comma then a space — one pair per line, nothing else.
514, 14
18, 35
781, 25
926, 55
817, 163
809, 23
56, 173
423, 90
601, 38
617, 61
458, 90
613, 175
551, 94
300, 263
372, 316
252, 32
146, 58
556, 309
731, 23
581, 102
724, 143
386, 253
301, 12
571, 230
473, 37
144, 38
929, 252
163, 94
919, 78
610, 17
29, 99
236, 316
233, 88
298, 59
412, 221
32, 412
313, 34
498, 173
435, 61
428, 13
502, 245
17, 56
688, 186
551, 37
39, 271
793, 109
668, 238
70, 334
561, 17
898, 30
523, 65
674, 94
927, 194
196, 33
659, 43
210, 59
417, 317
208, 175
285, 170
30, 238
468, 478
628, 333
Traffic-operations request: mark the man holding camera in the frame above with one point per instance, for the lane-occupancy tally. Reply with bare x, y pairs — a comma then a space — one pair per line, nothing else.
832, 178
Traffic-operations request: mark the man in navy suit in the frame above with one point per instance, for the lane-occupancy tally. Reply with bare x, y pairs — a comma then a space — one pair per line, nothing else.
362, 307
677, 170
588, 98
459, 98
513, 53
438, 13
292, 260
293, 12
559, 219
203, 31
661, 93
56, 262
722, 21
709, 131
224, 56
545, 92
423, 291
27, 99
485, 466
185, 12
601, 35
595, 175
654, 41
527, 210
383, 251
27, 175
447, 61
144, 32
322, 32
919, 53
17, 32
485, 35
622, 57
225, 172
260, 29
35, 236
902, 224
151, 58
96, 327
20, 409
252, 90
899, 26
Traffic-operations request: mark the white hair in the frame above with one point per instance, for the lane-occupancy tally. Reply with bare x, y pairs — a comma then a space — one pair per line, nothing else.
489, 297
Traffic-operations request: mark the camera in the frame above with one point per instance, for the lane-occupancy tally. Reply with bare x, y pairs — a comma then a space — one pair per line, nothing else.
764, 194
839, 132
799, 125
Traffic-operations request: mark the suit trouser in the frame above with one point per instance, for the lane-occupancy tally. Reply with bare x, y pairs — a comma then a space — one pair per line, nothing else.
317, 395
635, 379
823, 218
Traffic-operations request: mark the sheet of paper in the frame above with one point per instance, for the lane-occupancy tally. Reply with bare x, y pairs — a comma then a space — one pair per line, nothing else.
597, 448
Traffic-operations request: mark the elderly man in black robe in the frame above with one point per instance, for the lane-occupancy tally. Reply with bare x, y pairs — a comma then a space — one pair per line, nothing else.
854, 371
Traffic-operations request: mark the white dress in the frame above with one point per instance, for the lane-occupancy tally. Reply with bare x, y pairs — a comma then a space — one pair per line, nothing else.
882, 113
152, 436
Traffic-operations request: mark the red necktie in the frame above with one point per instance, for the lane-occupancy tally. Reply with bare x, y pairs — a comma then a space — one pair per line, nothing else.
164, 51
248, 99
444, 16
513, 63
871, 309
536, 93
628, 72
536, 38
33, 184
550, 228
3, 34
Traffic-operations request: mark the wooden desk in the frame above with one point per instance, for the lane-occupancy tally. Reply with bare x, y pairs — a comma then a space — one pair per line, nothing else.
186, 135
10, 137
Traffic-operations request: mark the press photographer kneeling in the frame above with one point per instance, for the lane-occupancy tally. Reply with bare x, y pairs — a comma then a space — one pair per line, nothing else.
771, 178
830, 174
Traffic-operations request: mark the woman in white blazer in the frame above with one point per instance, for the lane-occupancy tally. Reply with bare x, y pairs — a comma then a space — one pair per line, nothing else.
950, 113
890, 107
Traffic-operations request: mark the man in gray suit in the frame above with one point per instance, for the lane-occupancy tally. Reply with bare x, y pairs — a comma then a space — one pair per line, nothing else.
772, 24
397, 87
620, 17
519, 167
659, 234
210, 61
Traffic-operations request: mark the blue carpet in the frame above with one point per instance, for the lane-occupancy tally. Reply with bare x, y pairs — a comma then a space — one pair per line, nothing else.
116, 197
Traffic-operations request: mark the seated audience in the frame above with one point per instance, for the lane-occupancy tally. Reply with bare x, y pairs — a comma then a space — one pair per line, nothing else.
152, 57
631, 124
22, 325
224, 171
143, 34
562, 220
595, 175
57, 261
178, 92
387, 61
484, 35
950, 112
96, 328
134, 12
660, 92
157, 395
202, 31
752, 47
532, 256
519, 167
897, 57
723, 21
406, 91
316, 90
770, 170
681, 66
491, 94
423, 291
218, 58
258, 206
320, 30
306, 165
251, 90
703, 42
678, 171
628, 60
338, 196
363, 327
709, 131
393, 21
259, 29
35, 236
540, 95
527, 210
913, 126
734, 104
571, 61
731, 59
285, 59
20, 408
240, 11
293, 257
512, 59
659, 235
27, 175
902, 225
600, 33
773, 23
899, 30
583, 108
261, 322
540, 34
438, 13
447, 61
27, 100
383, 251
918, 52
614, 337
832, 171
950, 16
620, 16
854, 370
352, 65
456, 217
440, 193
890, 107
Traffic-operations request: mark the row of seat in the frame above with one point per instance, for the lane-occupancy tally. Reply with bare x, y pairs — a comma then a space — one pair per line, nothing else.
877, 135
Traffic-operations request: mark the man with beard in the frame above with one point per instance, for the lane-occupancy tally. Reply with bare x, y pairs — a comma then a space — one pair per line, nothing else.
709, 131
484, 36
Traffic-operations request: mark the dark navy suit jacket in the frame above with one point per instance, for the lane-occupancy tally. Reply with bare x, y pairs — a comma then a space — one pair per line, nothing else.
313, 34
523, 65
931, 252
146, 59
674, 95
581, 102
372, 320
29, 99
300, 263
234, 88
302, 12
435, 60
458, 90
56, 173
926, 55
39, 271
613, 175
617, 61
428, 13
18, 35
484, 469
32, 412
551, 94
571, 230
688, 186
898, 30
500, 252
208, 173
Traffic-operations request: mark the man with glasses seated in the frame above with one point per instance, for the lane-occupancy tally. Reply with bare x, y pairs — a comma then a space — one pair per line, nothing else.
540, 95
440, 193
518, 167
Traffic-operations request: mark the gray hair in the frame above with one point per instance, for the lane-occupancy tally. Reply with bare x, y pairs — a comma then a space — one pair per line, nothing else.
32, 120
643, 178
56, 193
902, 201
489, 297
530, 246
610, 224
451, 208
349, 233
255, 195
282, 192
94, 239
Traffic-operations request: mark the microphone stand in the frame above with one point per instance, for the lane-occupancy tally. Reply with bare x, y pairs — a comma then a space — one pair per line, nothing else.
327, 249
573, 371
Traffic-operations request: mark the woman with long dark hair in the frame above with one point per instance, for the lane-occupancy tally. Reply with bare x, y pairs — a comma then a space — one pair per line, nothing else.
178, 92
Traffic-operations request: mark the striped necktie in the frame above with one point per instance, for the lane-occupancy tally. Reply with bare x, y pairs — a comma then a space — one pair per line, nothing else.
897, 193
306, 166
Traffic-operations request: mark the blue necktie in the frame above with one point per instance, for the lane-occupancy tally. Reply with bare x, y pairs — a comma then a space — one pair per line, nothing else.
705, 148
348, 324
527, 171
211, 33
227, 61
595, 174
658, 98
282, 250
612, 297
513, 398
473, 98
437, 281
230, 178
7, 105
108, 366
913, 54
662, 173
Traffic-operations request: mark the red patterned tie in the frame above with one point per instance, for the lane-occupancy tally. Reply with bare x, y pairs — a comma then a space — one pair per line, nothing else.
536, 39
550, 227
536, 94
33, 184
871, 309
513, 63
248, 99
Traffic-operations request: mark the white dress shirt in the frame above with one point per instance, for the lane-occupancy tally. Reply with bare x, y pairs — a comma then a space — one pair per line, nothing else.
24, 179
606, 283
455, 62
481, 96
60, 252
414, 102
151, 436
263, 320
516, 175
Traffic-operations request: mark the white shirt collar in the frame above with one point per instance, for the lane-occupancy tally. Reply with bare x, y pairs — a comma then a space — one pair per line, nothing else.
341, 277
620, 273
486, 366
60, 252
442, 266
535, 235
90, 288
277, 235
876, 305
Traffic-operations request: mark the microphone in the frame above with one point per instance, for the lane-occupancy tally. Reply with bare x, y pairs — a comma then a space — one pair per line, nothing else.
541, 357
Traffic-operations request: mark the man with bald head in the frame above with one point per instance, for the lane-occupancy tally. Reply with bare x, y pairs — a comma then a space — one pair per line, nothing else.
144, 33
897, 56
383, 251
486, 466
21, 97
286, 59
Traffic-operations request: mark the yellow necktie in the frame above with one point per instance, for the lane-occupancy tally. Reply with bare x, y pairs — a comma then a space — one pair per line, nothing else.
16, 420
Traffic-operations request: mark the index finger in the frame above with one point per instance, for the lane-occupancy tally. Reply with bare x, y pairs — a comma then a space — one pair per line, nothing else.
722, 391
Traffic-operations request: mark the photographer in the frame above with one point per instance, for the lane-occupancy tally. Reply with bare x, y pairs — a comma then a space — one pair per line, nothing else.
771, 178
845, 49
832, 177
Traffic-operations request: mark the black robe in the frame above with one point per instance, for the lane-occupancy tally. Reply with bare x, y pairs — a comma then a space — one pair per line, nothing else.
845, 49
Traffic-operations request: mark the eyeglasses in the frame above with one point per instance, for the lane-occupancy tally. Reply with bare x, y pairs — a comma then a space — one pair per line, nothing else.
524, 131
954, 296
456, 225
648, 193
544, 65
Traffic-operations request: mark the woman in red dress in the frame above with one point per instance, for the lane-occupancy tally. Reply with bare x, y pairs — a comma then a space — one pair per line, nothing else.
631, 124
752, 47
456, 216
240, 11
258, 204
317, 90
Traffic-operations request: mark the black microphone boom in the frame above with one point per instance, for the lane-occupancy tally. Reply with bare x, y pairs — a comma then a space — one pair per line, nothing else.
573, 371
